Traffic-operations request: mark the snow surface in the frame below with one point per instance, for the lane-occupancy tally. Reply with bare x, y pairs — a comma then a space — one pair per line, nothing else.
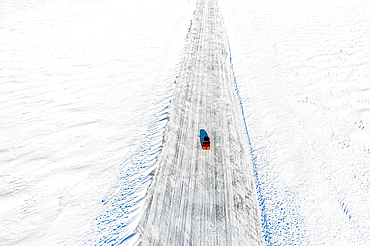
203, 197
302, 68
82, 84
84, 90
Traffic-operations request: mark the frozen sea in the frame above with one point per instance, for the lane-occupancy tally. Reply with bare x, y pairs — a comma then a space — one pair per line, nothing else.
85, 92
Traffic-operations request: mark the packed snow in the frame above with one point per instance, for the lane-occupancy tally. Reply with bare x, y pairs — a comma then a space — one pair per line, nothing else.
86, 88
203, 197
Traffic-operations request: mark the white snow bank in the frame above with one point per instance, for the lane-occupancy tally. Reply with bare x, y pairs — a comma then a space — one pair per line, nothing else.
302, 68
79, 82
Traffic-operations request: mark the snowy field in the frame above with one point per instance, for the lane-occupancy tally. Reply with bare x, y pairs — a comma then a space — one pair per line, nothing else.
303, 70
85, 87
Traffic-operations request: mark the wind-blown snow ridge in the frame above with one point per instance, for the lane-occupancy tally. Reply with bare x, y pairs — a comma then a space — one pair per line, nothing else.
294, 222
253, 156
264, 219
124, 201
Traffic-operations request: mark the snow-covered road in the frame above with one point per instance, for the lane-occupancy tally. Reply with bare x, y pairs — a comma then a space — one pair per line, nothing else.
201, 197
85, 91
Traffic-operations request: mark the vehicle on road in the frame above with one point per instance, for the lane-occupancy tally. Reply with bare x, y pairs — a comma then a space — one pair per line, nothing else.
205, 141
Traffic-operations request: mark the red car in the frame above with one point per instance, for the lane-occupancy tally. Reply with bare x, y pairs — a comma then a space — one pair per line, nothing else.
206, 143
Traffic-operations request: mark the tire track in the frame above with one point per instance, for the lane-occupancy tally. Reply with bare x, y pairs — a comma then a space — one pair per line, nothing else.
202, 197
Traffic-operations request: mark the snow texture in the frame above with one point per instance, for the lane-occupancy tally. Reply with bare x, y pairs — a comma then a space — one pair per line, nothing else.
84, 87
302, 68
203, 197
87, 88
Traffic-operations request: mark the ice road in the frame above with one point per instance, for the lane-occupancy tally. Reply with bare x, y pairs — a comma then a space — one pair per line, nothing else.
200, 197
